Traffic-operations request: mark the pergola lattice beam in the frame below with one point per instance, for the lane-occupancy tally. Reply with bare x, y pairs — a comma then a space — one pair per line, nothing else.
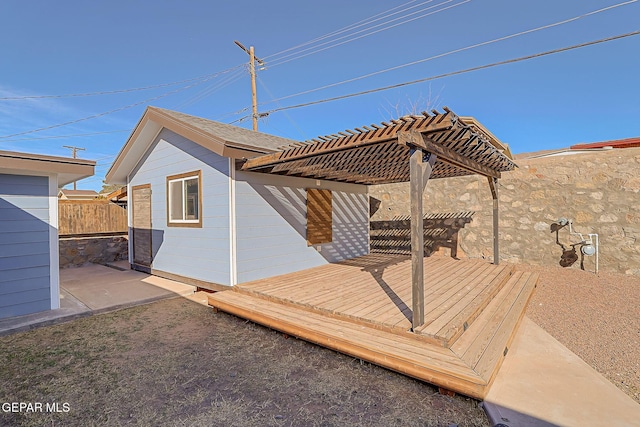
428, 124
446, 154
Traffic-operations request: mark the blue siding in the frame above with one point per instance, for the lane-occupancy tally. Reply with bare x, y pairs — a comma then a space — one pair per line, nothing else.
271, 225
199, 253
24, 245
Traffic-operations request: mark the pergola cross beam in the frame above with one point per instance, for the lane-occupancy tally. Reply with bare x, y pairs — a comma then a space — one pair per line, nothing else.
422, 147
412, 148
446, 154
349, 142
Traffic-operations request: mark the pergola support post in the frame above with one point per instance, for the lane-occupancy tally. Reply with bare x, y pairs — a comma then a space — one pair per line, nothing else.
417, 239
493, 185
419, 172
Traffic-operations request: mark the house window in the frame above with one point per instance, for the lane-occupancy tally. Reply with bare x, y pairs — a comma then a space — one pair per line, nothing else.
184, 200
319, 216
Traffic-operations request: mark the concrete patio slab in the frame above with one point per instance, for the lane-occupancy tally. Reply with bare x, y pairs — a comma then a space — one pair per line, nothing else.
542, 383
95, 289
99, 287
70, 308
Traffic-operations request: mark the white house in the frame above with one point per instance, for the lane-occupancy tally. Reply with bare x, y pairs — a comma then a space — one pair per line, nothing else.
194, 216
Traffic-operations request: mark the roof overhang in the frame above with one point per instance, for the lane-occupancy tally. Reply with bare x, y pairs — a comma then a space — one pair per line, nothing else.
380, 154
67, 169
219, 140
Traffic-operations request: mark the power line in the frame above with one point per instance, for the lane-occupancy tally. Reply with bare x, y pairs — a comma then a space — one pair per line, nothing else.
66, 136
555, 24
214, 87
453, 73
358, 24
111, 92
295, 125
402, 22
234, 113
94, 116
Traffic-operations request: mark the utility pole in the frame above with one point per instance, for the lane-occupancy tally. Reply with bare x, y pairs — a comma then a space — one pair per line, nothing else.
74, 150
252, 73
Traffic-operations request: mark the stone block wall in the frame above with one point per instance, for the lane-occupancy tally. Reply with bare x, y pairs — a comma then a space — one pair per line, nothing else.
76, 251
597, 190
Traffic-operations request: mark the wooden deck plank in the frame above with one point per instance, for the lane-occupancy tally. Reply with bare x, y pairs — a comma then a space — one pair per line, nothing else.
446, 305
362, 288
470, 307
397, 319
369, 288
390, 302
458, 285
326, 300
389, 350
337, 326
293, 279
300, 276
317, 288
394, 280
366, 300
490, 360
346, 307
471, 345
292, 283
438, 283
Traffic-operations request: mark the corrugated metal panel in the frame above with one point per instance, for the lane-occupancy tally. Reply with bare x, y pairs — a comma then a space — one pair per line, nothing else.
24, 245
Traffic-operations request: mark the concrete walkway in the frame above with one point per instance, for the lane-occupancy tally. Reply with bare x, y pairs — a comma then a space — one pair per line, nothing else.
94, 289
542, 383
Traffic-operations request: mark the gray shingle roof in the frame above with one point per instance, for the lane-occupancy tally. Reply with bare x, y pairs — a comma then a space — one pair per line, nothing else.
232, 136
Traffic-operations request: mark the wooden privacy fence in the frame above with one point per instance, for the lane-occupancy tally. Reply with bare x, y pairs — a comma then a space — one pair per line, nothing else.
86, 217
440, 230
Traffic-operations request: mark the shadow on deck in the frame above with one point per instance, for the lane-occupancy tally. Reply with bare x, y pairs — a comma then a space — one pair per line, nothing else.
362, 307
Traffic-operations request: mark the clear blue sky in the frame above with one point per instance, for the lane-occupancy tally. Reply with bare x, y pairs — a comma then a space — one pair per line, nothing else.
67, 47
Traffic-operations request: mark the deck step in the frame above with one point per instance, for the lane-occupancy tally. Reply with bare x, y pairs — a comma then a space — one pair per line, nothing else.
398, 352
447, 321
456, 293
361, 307
486, 342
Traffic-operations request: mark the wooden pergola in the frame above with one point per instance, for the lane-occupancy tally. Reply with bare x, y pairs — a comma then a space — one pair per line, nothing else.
411, 148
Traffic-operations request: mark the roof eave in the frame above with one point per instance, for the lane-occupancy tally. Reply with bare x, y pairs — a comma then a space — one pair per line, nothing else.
67, 169
151, 123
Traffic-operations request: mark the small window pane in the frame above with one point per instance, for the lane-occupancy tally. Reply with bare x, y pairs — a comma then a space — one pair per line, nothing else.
175, 201
191, 190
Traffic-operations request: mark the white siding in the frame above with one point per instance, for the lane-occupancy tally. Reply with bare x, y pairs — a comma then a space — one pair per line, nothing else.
199, 253
271, 225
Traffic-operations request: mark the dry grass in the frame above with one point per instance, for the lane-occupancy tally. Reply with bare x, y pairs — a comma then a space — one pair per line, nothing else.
176, 363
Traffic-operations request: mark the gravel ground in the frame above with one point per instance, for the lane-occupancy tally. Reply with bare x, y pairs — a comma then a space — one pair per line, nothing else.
595, 316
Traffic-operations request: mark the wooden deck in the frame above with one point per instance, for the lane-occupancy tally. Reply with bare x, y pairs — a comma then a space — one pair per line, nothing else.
362, 307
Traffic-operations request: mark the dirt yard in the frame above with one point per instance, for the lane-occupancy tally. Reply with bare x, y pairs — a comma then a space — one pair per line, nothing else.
595, 316
177, 363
